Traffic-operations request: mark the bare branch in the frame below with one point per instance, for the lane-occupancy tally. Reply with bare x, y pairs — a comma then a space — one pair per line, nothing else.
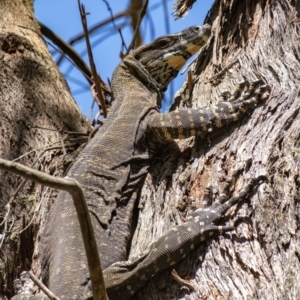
133, 10
75, 58
96, 76
67, 49
137, 28
71, 186
112, 17
98, 25
43, 287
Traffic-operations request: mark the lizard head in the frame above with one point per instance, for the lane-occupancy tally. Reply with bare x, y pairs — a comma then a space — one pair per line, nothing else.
164, 57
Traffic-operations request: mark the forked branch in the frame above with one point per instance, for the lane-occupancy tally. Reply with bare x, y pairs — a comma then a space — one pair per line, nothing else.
71, 186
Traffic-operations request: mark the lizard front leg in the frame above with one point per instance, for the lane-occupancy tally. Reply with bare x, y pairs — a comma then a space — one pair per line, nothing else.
190, 122
123, 279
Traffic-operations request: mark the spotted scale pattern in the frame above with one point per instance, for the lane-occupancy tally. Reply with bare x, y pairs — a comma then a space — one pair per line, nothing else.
184, 123
176, 244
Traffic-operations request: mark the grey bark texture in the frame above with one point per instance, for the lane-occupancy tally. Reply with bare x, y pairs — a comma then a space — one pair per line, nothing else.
36, 110
253, 40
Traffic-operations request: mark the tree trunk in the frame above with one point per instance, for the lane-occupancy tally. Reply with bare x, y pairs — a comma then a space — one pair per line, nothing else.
253, 40
36, 110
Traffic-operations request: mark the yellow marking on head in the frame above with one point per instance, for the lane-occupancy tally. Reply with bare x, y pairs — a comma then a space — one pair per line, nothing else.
192, 48
176, 61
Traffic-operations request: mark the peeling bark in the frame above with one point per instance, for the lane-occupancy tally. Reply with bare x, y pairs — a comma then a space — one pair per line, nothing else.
253, 40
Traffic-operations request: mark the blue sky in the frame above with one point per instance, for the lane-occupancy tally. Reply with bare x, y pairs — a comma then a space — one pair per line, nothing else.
62, 17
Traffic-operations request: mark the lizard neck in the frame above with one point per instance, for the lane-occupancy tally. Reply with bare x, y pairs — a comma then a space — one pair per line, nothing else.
131, 77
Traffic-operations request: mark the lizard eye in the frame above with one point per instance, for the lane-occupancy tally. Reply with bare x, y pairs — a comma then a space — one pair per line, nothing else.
163, 43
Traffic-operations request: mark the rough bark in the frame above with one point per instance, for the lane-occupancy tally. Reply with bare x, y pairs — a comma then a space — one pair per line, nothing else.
261, 39
36, 110
254, 39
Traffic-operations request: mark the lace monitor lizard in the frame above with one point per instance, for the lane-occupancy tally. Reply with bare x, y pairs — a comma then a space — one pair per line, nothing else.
112, 168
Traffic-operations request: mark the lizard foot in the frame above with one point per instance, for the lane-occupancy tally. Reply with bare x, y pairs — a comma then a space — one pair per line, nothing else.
232, 107
123, 279
209, 213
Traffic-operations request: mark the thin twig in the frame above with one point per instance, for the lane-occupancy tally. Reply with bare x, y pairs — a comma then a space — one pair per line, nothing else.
80, 36
219, 74
95, 74
112, 19
86, 75
57, 130
166, 16
4, 234
43, 287
48, 148
71, 186
32, 219
182, 281
137, 28
67, 49
13, 196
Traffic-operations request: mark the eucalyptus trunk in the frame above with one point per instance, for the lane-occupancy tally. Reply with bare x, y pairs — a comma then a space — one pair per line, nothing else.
252, 40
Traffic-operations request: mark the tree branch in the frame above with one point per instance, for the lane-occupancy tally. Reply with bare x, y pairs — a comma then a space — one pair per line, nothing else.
143, 12
43, 287
96, 76
67, 49
71, 186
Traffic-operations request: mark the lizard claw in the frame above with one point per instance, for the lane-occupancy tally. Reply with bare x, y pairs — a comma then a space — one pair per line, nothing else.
244, 219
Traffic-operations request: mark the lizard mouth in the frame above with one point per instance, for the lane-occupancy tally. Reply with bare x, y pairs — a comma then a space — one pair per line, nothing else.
166, 62
188, 43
